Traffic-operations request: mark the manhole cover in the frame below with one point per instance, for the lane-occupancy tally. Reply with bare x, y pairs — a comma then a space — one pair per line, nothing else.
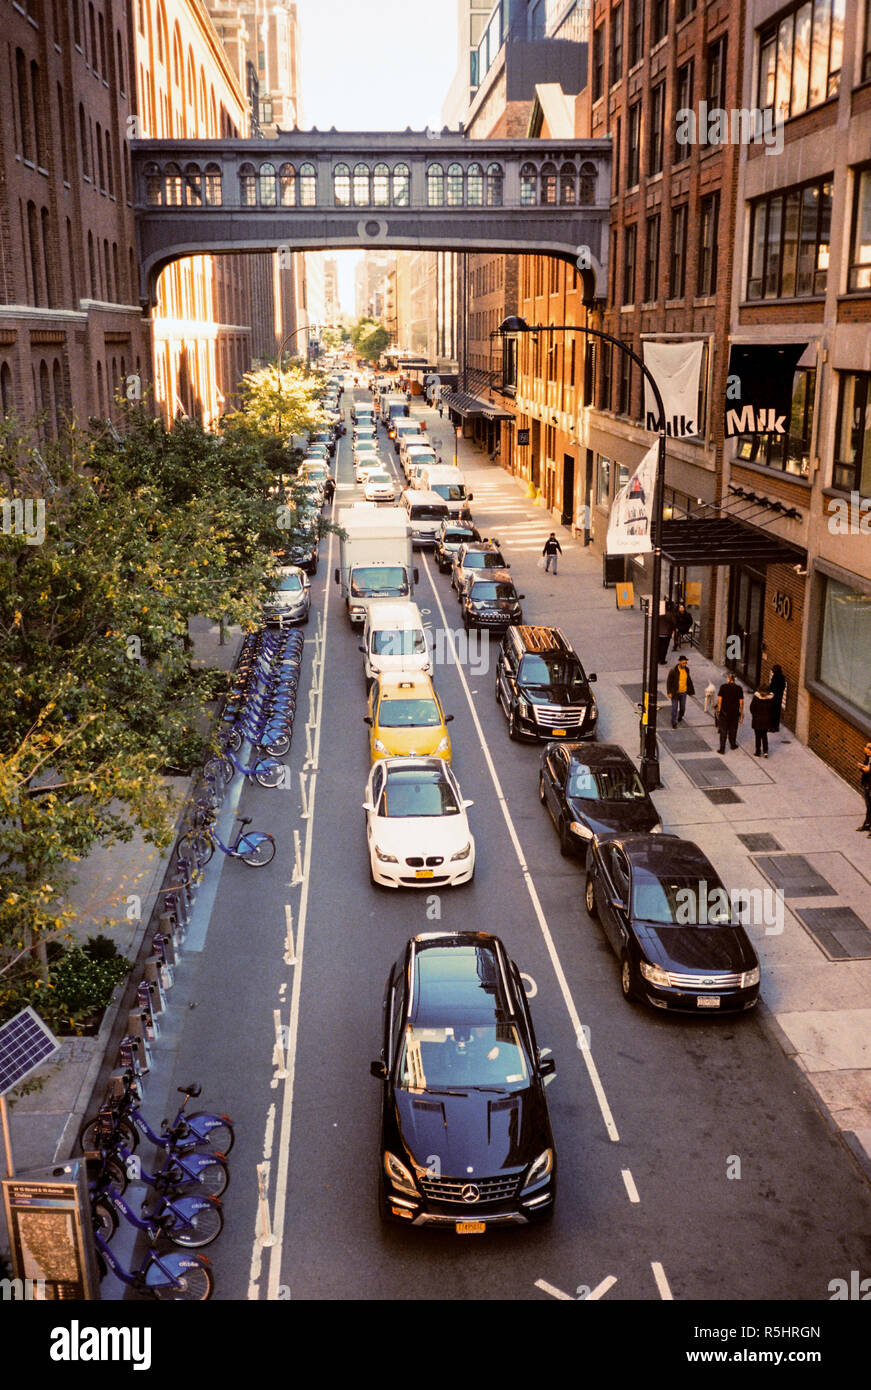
757, 843
722, 796
708, 772
795, 875
838, 931
683, 741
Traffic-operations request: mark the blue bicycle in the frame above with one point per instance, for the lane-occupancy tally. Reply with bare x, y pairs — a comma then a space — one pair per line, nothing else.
187, 1132
266, 771
171, 1275
204, 1172
254, 847
188, 1221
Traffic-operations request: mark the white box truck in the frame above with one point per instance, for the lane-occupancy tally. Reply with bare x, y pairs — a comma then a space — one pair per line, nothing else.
375, 561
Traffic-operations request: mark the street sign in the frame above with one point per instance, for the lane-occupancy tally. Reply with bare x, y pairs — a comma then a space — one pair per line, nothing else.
522, 438
48, 1216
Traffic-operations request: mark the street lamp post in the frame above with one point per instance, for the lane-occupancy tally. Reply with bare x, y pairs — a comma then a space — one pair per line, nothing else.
650, 754
304, 328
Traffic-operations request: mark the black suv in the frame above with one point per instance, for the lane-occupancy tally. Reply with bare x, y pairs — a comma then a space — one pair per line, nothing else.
451, 536
542, 686
491, 601
466, 1142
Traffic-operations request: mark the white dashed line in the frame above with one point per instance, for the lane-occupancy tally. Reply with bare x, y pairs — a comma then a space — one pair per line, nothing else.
629, 1184
661, 1281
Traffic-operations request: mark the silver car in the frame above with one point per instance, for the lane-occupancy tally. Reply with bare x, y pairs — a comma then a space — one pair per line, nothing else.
291, 600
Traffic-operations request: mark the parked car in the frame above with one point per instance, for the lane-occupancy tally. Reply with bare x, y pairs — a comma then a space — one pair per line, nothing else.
671, 924
379, 486
473, 557
591, 789
291, 601
490, 601
542, 686
365, 463
406, 718
452, 534
416, 825
466, 1139
303, 549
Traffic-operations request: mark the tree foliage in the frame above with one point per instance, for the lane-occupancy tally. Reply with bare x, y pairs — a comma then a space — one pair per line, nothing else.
369, 338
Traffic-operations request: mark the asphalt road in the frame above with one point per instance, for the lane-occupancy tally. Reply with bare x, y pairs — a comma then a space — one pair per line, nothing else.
692, 1162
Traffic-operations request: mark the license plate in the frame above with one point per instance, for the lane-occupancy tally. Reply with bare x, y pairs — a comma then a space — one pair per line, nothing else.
708, 1001
428, 873
559, 732
470, 1228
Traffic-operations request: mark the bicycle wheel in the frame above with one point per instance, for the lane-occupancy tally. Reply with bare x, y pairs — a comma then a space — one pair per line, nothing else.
221, 769
197, 847
194, 1229
105, 1218
268, 774
256, 849
199, 1171
195, 1282
92, 1136
219, 1137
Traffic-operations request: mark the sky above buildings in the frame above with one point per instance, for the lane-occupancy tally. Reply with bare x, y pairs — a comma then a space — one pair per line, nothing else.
376, 64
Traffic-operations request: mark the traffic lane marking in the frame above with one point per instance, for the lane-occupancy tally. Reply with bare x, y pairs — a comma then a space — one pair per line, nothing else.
629, 1184
665, 1292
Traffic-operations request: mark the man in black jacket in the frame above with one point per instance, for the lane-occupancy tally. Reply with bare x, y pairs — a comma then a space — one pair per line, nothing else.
552, 549
679, 685
730, 711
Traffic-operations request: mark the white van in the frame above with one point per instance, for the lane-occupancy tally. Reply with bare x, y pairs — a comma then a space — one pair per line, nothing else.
448, 482
426, 512
417, 450
394, 639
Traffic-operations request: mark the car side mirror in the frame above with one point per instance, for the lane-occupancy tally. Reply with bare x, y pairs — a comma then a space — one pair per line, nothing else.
618, 904
467, 803
448, 718
367, 806
547, 1066
416, 575
520, 596
591, 676
337, 576
378, 1070
367, 719
470, 496
362, 649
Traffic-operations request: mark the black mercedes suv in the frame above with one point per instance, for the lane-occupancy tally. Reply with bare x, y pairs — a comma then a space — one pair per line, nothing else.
466, 1142
542, 686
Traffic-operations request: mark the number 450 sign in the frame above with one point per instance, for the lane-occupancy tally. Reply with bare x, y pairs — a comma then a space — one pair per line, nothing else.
782, 605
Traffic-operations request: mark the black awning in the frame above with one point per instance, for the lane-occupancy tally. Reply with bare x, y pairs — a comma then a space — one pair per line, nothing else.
721, 540
464, 404
497, 412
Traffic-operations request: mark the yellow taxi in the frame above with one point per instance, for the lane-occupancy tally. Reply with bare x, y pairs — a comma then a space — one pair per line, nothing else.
406, 718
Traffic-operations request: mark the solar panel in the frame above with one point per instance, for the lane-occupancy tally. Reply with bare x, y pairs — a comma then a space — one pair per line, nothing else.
25, 1043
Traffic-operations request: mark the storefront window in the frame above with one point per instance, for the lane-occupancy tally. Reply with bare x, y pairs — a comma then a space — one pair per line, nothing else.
603, 482
788, 452
845, 644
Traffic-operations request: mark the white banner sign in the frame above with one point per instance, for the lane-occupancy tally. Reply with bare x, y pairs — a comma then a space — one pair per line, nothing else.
631, 519
676, 368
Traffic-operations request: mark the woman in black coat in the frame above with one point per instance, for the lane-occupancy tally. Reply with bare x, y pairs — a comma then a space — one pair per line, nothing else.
777, 686
760, 717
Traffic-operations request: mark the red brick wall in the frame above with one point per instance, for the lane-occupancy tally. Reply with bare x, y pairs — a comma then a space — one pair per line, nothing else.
781, 636
838, 742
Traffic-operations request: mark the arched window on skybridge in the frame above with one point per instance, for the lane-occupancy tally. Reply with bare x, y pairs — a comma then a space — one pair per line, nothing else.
435, 185
401, 186
587, 185
381, 186
308, 186
267, 186
494, 185
193, 186
247, 186
287, 185
153, 185
474, 186
528, 185
172, 185
568, 185
342, 186
455, 186
362, 188
548, 183
214, 185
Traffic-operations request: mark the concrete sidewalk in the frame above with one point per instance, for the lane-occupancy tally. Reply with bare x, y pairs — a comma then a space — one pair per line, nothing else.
787, 823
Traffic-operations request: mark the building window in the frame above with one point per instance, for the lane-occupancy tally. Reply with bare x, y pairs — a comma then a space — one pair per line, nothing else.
603, 479
474, 185
401, 185
866, 52
616, 43
636, 32
308, 186
708, 233
214, 194
494, 185
634, 143
659, 20
677, 282
599, 62
247, 186
852, 470
657, 125
683, 9
381, 186
629, 239
587, 184
800, 57
651, 259
789, 243
859, 274
435, 185
788, 453
683, 101
528, 185
268, 196
7, 401
362, 189
845, 643
342, 186
548, 184
624, 384
618, 148
715, 85
454, 186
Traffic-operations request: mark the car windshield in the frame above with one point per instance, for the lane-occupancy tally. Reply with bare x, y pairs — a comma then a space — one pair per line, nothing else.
387, 581
408, 714
487, 592
487, 1055
680, 901
375, 476
414, 793
423, 512
483, 560
457, 536
451, 492
403, 641
620, 782
553, 670
290, 583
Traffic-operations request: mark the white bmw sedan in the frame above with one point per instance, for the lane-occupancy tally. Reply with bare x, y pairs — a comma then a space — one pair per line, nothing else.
379, 487
416, 825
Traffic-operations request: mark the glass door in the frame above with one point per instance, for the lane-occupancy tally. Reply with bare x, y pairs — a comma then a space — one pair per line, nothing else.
746, 609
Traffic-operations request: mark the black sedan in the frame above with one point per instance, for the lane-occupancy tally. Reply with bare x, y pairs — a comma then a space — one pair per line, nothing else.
466, 1142
491, 602
672, 925
593, 789
449, 539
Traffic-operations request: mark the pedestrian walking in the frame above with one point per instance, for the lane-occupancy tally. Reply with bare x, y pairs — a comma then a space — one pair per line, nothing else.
441, 410
683, 626
679, 685
552, 549
664, 630
865, 784
760, 717
730, 711
777, 686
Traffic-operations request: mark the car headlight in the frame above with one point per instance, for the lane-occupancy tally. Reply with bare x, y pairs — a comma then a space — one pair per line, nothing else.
592, 713
385, 858
379, 746
542, 1166
524, 709
444, 745
462, 853
577, 828
654, 973
750, 977
398, 1174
